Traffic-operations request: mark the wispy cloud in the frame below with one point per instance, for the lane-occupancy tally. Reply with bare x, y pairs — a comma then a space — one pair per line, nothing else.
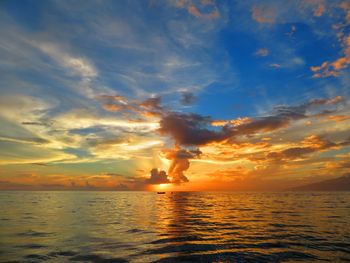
262, 52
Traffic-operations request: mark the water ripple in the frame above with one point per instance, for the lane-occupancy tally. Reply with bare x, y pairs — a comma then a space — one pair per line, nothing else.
178, 227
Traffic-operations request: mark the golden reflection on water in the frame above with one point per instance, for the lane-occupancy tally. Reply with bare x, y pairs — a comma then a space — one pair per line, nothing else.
171, 227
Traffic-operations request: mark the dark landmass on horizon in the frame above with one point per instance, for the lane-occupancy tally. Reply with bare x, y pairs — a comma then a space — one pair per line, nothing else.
337, 184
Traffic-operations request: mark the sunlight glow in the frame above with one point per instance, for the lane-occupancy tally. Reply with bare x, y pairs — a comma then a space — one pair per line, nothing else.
163, 186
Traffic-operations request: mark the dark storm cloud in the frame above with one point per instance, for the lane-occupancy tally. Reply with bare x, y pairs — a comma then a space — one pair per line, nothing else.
157, 177
190, 129
193, 129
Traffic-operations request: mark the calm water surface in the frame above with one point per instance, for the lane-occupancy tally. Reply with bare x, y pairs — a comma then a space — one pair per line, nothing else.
178, 227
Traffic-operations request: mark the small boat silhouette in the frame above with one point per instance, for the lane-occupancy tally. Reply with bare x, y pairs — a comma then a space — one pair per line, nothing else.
160, 193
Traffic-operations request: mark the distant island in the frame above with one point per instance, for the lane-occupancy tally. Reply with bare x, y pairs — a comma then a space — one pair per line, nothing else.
337, 184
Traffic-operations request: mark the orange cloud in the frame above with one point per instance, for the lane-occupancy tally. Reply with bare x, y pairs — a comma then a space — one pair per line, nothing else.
309, 145
148, 108
328, 69
205, 9
194, 11
234, 122
338, 118
263, 14
332, 69
318, 6
319, 10
346, 7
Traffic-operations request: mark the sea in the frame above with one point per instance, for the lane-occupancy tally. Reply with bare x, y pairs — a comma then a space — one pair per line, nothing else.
88, 226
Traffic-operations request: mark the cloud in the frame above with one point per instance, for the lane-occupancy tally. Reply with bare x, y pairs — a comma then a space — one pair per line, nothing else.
310, 145
180, 163
290, 62
346, 7
153, 104
121, 187
189, 129
334, 68
82, 119
262, 52
193, 10
158, 177
338, 118
22, 108
264, 14
148, 61
205, 9
33, 181
194, 129
24, 152
275, 65
244, 139
34, 123
318, 7
329, 101
6, 185
24, 140
150, 107
187, 98
135, 148
77, 65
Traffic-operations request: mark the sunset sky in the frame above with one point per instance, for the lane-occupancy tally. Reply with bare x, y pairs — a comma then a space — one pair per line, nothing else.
211, 95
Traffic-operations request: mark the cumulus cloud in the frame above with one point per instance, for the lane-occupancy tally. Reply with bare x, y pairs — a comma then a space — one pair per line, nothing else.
180, 163
158, 177
190, 129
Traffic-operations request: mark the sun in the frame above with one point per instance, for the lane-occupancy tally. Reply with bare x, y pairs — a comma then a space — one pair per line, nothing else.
162, 186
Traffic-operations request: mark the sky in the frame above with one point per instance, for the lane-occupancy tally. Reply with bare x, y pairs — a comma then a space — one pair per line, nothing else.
179, 95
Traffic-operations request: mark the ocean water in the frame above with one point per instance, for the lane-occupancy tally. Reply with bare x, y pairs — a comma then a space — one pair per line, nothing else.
174, 227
